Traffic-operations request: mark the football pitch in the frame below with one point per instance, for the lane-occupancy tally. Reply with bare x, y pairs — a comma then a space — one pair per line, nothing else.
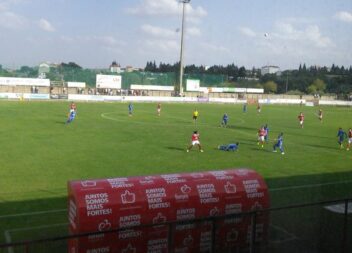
40, 153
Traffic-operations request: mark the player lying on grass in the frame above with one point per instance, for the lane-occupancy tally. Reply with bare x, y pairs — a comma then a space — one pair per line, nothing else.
229, 147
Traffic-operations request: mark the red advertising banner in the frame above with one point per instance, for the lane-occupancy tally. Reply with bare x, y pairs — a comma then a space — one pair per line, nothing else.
105, 204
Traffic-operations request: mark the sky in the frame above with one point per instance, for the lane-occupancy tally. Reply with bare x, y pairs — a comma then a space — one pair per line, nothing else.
250, 33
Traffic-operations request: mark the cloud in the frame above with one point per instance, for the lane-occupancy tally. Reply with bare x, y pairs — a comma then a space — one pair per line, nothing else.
67, 39
3, 7
215, 48
158, 31
46, 25
163, 45
104, 41
309, 36
193, 31
11, 20
344, 16
247, 31
313, 34
166, 8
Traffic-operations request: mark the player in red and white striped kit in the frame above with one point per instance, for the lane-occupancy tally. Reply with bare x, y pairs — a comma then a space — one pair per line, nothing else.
195, 141
261, 136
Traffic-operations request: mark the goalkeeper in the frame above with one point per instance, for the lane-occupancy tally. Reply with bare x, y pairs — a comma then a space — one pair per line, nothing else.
229, 147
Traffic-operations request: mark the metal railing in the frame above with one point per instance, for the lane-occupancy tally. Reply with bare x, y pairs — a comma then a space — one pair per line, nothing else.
294, 228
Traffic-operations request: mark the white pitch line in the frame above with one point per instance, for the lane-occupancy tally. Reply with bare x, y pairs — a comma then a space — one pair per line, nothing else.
38, 227
308, 186
8, 240
33, 213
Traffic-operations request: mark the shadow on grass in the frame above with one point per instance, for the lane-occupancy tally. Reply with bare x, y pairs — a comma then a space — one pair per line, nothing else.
305, 229
177, 148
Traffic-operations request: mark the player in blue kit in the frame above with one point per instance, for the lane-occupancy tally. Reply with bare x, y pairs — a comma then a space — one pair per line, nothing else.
225, 119
266, 136
244, 109
279, 144
130, 109
71, 116
229, 147
341, 135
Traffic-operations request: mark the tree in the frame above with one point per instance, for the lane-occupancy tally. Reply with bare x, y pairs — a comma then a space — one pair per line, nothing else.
270, 87
319, 85
312, 89
242, 72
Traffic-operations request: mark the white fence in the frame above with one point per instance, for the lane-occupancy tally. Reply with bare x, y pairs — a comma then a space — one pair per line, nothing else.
28, 96
102, 98
199, 100
15, 81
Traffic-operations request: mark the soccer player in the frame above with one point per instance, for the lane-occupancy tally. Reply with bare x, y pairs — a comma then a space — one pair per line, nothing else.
130, 109
320, 115
229, 147
279, 144
195, 141
349, 135
73, 107
71, 116
244, 107
261, 134
341, 135
301, 119
266, 136
225, 119
158, 109
259, 109
195, 115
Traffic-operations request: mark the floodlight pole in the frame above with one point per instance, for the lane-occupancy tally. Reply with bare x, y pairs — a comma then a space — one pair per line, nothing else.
181, 51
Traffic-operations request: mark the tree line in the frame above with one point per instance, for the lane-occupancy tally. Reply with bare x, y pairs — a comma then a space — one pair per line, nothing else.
304, 80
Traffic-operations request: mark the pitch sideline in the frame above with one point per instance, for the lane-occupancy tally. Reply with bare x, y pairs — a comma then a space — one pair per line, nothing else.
271, 190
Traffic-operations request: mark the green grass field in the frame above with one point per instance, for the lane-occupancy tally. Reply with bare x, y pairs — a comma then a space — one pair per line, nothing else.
39, 153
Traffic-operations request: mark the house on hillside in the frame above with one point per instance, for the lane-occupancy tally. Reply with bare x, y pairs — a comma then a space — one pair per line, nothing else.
43, 69
115, 67
269, 70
